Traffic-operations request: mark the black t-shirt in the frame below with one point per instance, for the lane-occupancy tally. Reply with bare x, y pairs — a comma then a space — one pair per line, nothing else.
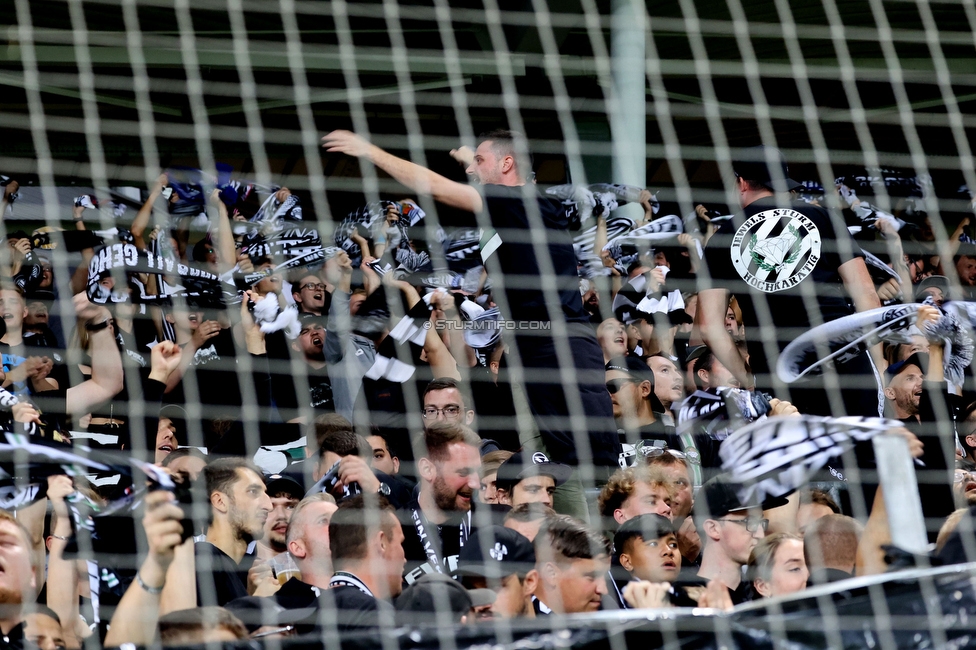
518, 259
214, 367
229, 578
358, 610
769, 257
13, 639
424, 542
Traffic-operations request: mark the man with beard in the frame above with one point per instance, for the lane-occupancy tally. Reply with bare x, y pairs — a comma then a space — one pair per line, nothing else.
285, 492
16, 580
437, 524
239, 507
916, 394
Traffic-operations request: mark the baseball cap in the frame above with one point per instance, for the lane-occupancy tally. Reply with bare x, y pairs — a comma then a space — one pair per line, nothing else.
255, 612
694, 352
753, 165
525, 464
508, 552
896, 369
638, 369
288, 482
647, 527
720, 496
940, 282
177, 415
429, 594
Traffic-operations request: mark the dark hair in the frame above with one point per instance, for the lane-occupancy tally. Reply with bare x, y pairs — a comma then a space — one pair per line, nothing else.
564, 538
326, 424
529, 512
43, 610
182, 452
821, 498
345, 443
703, 362
190, 626
298, 275
965, 414
221, 474
349, 531
642, 527
440, 435
446, 383
503, 142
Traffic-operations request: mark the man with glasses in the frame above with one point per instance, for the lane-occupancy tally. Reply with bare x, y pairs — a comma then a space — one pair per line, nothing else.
310, 295
444, 402
730, 529
964, 484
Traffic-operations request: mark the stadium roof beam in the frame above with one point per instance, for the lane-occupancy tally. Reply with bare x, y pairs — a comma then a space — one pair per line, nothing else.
270, 56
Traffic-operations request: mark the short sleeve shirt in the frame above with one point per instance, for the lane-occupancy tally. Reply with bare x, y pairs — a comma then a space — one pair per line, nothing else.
517, 257
781, 264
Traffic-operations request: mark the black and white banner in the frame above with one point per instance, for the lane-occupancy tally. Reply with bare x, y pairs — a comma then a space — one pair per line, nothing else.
774, 456
197, 286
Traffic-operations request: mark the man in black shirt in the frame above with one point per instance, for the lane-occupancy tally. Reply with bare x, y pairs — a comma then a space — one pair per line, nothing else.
368, 557
531, 282
239, 508
788, 267
729, 529
437, 524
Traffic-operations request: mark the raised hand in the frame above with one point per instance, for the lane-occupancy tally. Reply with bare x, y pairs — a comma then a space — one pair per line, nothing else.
346, 142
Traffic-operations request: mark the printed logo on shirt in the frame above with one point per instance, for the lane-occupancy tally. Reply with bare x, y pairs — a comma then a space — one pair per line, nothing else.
499, 552
776, 249
203, 356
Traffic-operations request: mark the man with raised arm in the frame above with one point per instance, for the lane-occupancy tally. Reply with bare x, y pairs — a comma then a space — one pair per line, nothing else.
534, 284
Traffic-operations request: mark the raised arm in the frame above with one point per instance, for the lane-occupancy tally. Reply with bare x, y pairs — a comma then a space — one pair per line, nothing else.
419, 179
137, 614
60, 571
141, 221
106, 379
226, 251
860, 287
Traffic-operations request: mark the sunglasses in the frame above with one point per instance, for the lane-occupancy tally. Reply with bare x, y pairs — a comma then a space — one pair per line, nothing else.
649, 451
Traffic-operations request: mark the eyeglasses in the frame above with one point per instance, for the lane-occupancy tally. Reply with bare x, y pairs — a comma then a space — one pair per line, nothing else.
751, 524
450, 411
615, 385
961, 476
649, 451
314, 286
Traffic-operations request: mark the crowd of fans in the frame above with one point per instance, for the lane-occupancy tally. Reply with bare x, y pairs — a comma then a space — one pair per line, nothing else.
522, 417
